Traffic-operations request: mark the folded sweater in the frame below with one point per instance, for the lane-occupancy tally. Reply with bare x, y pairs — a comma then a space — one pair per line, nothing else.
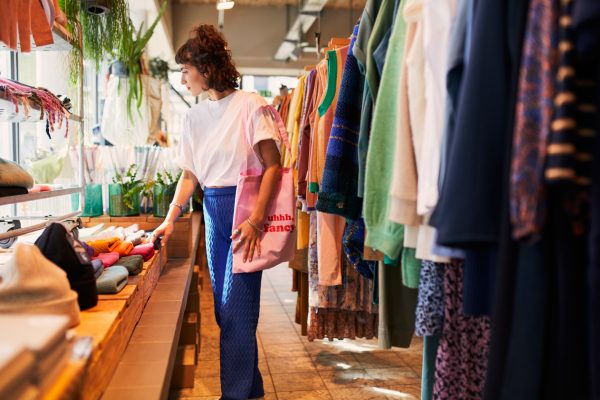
134, 264
112, 280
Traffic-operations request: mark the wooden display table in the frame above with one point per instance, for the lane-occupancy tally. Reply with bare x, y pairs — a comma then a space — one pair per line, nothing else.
110, 324
135, 331
180, 243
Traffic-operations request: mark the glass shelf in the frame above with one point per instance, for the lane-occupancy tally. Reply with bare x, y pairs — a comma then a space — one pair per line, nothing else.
39, 196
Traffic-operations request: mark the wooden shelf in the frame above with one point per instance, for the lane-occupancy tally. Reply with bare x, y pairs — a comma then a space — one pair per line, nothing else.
39, 196
61, 41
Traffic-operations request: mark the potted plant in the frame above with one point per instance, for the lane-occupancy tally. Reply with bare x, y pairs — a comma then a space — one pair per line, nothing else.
164, 192
124, 193
128, 55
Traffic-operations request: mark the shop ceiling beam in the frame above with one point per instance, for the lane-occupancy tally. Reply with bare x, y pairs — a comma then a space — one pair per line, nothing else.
306, 18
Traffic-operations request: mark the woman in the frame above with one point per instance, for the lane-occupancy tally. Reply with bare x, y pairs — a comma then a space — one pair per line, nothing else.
212, 150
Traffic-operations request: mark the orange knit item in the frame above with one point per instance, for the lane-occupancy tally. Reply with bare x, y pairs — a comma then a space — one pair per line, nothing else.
102, 245
123, 248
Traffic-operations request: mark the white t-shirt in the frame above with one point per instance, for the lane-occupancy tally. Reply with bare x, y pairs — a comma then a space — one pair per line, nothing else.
213, 144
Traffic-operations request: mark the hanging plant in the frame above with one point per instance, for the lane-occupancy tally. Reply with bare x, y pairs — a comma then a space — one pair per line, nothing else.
101, 32
129, 52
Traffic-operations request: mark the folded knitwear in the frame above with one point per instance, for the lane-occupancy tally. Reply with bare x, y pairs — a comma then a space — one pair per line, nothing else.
98, 267
136, 237
134, 264
145, 250
108, 259
131, 229
12, 190
11, 174
123, 248
112, 280
86, 234
60, 246
32, 284
88, 249
102, 245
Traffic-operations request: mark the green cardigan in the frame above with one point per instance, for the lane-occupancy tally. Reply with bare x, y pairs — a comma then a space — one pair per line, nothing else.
382, 234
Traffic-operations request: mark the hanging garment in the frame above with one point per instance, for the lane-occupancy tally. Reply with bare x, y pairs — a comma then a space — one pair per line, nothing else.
312, 172
344, 311
305, 133
533, 118
397, 305
430, 347
430, 302
383, 234
384, 19
462, 354
288, 156
27, 18
338, 192
474, 160
236, 299
354, 243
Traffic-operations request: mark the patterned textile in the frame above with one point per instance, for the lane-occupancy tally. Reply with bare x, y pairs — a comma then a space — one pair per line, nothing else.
462, 355
569, 157
354, 243
338, 192
430, 302
573, 128
338, 312
237, 301
533, 118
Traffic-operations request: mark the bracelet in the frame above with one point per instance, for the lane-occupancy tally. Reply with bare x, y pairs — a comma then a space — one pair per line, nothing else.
256, 228
176, 205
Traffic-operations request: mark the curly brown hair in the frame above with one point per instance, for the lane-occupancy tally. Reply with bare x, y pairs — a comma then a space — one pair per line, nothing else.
207, 50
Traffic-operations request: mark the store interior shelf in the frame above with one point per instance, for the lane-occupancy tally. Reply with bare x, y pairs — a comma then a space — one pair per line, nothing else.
39, 196
9, 113
61, 41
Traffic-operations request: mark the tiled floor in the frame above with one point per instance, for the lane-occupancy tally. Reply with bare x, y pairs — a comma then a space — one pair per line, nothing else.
295, 369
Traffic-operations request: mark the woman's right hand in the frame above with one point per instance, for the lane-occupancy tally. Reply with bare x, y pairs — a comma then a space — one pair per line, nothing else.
165, 230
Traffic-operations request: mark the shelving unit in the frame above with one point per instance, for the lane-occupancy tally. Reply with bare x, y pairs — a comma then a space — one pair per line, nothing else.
38, 196
62, 42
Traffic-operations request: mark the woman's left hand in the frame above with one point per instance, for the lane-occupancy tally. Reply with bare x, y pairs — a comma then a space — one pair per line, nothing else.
248, 236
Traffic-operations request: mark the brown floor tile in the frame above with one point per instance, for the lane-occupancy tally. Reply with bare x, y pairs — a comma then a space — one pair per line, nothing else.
408, 392
285, 350
380, 360
346, 379
364, 393
317, 348
413, 359
394, 376
270, 338
291, 364
208, 368
267, 381
203, 387
293, 382
339, 362
304, 395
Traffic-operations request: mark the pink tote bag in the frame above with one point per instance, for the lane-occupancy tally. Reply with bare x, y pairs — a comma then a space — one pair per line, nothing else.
278, 242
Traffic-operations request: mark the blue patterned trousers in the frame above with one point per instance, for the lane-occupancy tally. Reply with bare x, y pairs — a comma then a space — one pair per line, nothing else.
237, 301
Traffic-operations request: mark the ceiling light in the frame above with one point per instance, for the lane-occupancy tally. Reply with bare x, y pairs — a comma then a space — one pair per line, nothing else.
225, 5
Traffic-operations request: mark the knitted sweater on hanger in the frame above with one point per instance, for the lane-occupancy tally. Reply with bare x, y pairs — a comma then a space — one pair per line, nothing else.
338, 192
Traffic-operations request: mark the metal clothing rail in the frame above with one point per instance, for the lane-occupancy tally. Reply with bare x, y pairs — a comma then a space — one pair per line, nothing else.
37, 227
